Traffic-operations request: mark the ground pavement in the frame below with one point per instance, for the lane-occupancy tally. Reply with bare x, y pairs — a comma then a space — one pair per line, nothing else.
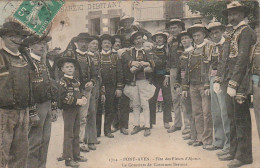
160, 150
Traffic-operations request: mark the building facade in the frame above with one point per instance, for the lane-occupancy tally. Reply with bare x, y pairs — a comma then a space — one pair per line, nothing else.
99, 17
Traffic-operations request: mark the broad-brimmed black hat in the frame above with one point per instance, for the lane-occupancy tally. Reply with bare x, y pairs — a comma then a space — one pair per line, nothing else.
126, 17
134, 35
117, 36
91, 38
35, 39
197, 27
13, 28
53, 52
175, 21
184, 33
215, 25
235, 5
106, 37
160, 33
81, 36
62, 60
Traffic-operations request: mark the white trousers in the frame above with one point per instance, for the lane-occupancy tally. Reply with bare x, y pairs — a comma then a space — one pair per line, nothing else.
140, 95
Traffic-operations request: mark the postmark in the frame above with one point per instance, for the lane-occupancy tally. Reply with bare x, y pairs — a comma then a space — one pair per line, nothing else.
37, 15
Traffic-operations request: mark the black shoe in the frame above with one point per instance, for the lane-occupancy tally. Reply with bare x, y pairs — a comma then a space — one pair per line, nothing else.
226, 157
236, 163
136, 130
98, 142
186, 137
143, 127
109, 135
197, 143
211, 147
81, 159
167, 125
92, 146
221, 153
124, 131
71, 163
191, 142
60, 158
84, 148
113, 130
173, 129
147, 132
185, 131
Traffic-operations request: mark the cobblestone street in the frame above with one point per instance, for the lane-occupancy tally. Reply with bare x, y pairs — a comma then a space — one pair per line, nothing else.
158, 150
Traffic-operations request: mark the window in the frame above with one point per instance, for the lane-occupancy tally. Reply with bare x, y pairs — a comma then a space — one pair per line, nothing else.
114, 24
95, 26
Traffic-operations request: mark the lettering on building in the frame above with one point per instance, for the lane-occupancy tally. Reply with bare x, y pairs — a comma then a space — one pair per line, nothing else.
72, 8
104, 5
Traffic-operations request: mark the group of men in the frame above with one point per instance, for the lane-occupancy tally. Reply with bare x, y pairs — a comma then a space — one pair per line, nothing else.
206, 72
217, 76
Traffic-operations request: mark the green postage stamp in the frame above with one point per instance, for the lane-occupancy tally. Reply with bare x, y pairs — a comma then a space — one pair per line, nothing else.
36, 15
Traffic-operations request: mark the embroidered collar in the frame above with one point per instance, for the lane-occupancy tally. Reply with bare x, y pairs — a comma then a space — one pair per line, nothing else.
68, 76
51, 62
221, 41
243, 22
36, 57
139, 49
81, 52
115, 51
90, 53
160, 47
189, 49
10, 52
106, 52
202, 44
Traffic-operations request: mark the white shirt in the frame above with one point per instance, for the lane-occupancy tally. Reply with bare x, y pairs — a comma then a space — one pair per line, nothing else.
189, 49
34, 56
51, 62
113, 50
68, 76
160, 47
81, 52
220, 43
202, 44
91, 53
139, 49
106, 52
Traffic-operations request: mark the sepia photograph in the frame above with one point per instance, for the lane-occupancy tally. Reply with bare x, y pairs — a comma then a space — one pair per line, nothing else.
129, 83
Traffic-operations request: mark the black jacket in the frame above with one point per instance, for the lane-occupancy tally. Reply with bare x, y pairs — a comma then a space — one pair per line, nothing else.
111, 69
69, 92
130, 55
87, 71
235, 64
15, 82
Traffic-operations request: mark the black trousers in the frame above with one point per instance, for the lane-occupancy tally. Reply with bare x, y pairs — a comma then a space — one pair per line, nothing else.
99, 116
167, 100
240, 130
123, 109
110, 103
71, 119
